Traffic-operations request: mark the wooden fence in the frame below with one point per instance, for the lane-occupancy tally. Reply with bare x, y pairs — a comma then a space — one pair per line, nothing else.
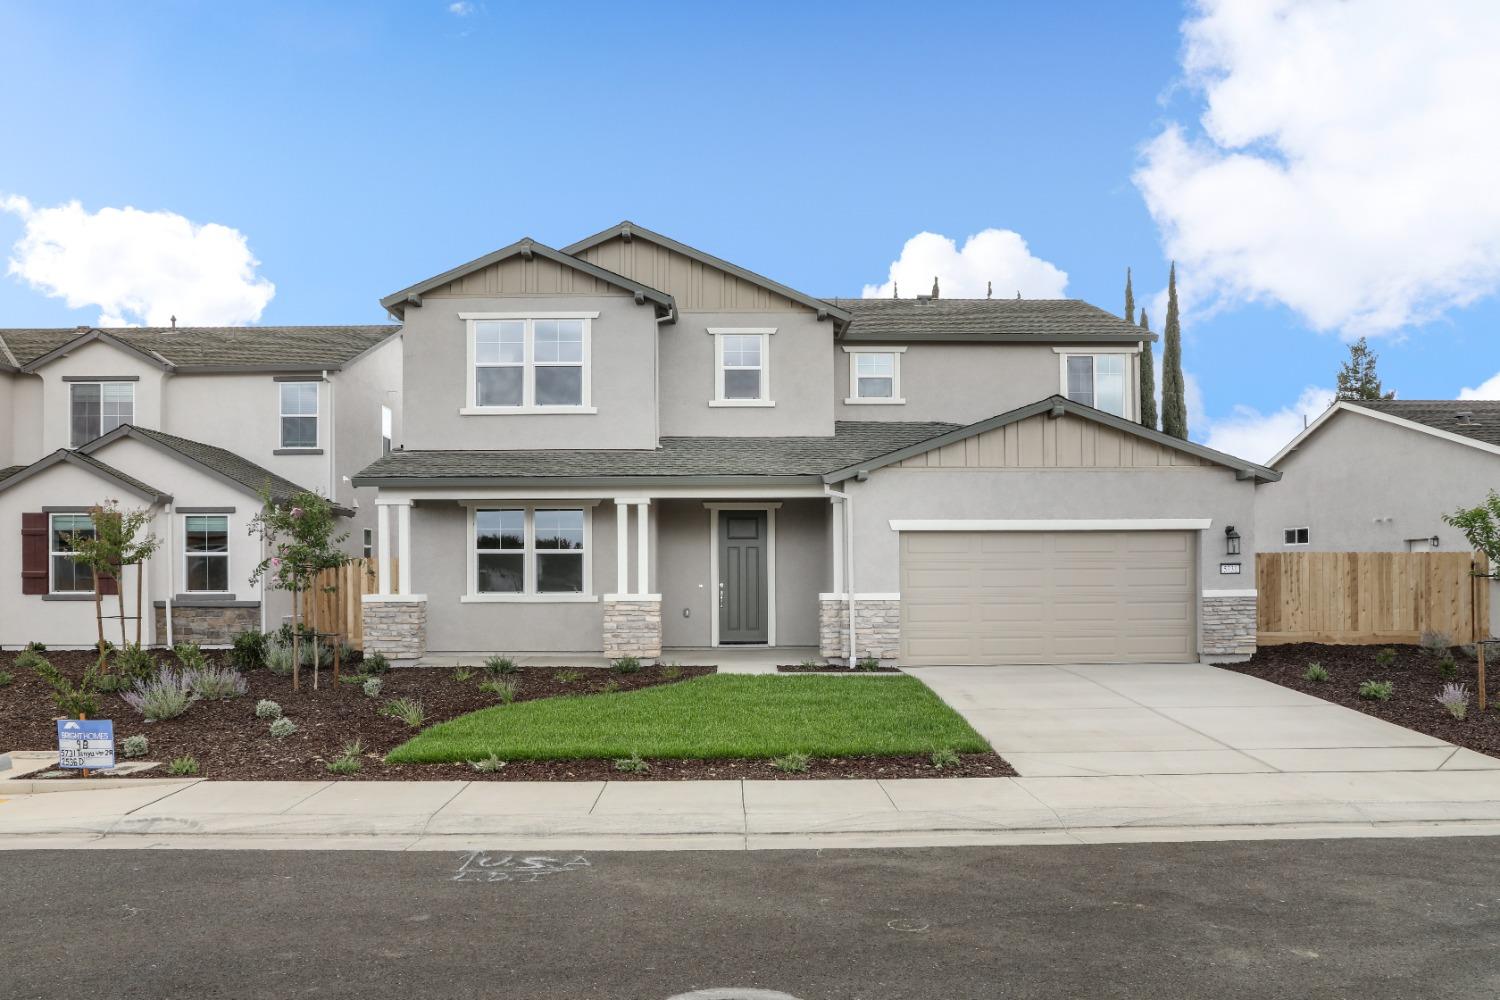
1358, 598
333, 605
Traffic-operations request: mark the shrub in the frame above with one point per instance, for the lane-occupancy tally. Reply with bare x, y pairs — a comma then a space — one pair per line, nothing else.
248, 650
671, 671
809, 664
217, 683
792, 763
134, 663
28, 658
348, 655
283, 727
503, 690
1315, 672
632, 764
267, 709
497, 665
868, 663
277, 656
1386, 657
488, 765
73, 700
567, 677
626, 665
165, 696
1455, 698
944, 757
610, 686
135, 746
408, 710
348, 761
182, 765
6, 678
308, 649
1434, 642
36, 647
376, 663
1377, 690
1447, 666
371, 687
190, 656
463, 674
110, 683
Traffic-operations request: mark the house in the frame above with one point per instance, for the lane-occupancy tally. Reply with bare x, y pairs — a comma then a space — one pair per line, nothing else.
1378, 476
193, 424
629, 446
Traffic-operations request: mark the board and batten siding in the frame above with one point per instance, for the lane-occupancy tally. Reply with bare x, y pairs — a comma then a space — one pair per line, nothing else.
1044, 442
519, 276
697, 287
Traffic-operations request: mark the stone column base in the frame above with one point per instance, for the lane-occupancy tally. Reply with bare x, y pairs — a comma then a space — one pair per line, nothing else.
395, 624
877, 628
1227, 626
632, 626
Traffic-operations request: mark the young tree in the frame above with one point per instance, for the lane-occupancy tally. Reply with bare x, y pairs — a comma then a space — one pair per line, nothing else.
1148, 377
116, 545
1129, 299
1357, 378
1481, 526
299, 534
1173, 389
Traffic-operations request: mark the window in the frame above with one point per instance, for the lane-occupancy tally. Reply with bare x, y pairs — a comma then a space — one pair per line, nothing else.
529, 364
69, 577
530, 551
1098, 380
742, 367
99, 407
369, 544
1296, 536
206, 547
299, 414
386, 425
874, 375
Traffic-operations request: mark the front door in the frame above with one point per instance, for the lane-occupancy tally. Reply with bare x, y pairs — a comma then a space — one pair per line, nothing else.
743, 598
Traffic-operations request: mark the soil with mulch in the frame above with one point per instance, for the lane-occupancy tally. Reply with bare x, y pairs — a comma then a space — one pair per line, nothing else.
815, 668
1414, 673
229, 743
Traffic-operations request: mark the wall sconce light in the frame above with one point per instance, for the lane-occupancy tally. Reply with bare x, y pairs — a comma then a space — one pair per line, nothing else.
1231, 541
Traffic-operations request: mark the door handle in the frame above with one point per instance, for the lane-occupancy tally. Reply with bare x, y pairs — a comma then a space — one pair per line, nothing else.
723, 596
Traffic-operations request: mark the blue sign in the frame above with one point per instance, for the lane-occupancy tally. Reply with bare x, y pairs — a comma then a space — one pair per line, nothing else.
85, 743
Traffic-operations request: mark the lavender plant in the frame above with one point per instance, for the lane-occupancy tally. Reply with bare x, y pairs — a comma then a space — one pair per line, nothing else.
1455, 698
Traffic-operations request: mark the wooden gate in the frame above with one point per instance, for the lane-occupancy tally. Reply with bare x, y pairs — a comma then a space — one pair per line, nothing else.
1360, 598
334, 604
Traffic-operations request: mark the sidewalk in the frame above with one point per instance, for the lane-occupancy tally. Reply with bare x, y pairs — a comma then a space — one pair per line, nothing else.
749, 815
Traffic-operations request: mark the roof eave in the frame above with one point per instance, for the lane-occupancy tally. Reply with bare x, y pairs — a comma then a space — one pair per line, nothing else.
89, 337
64, 455
604, 482
996, 338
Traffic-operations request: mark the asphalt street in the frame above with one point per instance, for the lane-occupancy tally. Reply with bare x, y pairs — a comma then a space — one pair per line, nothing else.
1363, 919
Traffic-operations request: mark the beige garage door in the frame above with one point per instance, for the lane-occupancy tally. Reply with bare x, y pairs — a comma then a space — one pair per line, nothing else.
1047, 597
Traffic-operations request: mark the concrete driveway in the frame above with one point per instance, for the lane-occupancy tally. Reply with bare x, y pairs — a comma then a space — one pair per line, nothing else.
1140, 719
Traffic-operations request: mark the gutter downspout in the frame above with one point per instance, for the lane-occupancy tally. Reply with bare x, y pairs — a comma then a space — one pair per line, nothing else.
848, 503
333, 483
171, 566
671, 317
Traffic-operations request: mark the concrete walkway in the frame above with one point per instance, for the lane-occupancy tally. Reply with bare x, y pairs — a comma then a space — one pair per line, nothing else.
1177, 719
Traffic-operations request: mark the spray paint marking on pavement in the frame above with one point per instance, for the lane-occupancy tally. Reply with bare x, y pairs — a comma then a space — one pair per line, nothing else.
482, 866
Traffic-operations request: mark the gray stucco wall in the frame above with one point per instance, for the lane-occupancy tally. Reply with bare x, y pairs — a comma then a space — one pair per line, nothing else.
94, 359
359, 392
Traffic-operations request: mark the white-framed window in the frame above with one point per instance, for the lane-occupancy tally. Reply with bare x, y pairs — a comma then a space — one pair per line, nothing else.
1296, 536
69, 577
387, 423
1101, 380
874, 375
96, 408
742, 367
369, 544
299, 414
530, 552
537, 363
205, 553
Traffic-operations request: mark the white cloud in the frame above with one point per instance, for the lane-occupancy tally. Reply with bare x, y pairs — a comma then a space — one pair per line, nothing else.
1488, 389
1346, 162
138, 267
993, 255
1257, 436
461, 8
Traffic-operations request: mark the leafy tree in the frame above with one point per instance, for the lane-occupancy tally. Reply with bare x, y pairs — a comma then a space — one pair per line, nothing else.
1481, 526
300, 537
1148, 377
1357, 378
1129, 299
116, 545
1173, 389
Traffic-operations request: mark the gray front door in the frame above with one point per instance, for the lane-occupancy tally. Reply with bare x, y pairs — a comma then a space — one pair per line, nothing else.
743, 602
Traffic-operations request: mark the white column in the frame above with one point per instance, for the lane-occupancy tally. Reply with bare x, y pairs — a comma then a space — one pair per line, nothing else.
383, 545
622, 546
643, 549
403, 532
837, 524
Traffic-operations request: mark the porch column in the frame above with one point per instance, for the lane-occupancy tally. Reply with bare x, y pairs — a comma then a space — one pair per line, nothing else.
837, 524
403, 533
394, 619
642, 548
383, 545
622, 546
632, 617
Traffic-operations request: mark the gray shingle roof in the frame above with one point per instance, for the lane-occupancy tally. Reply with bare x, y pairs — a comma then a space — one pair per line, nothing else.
121, 476
11, 475
10, 470
225, 463
982, 320
293, 347
1472, 418
853, 441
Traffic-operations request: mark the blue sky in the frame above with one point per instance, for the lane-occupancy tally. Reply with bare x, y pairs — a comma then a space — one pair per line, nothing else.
359, 148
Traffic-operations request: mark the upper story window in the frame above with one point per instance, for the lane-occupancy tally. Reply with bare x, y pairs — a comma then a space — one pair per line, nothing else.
386, 426
529, 364
97, 408
528, 552
205, 543
742, 367
299, 414
69, 577
874, 375
1098, 380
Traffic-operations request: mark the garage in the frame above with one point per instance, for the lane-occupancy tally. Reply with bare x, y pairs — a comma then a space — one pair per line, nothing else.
996, 597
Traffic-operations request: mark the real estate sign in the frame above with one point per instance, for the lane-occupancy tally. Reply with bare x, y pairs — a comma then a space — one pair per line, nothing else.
85, 743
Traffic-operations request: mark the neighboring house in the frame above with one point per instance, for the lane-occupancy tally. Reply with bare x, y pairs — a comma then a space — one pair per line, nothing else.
629, 445
193, 423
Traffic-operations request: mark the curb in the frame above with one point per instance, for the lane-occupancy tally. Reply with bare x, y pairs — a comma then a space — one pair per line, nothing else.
38, 786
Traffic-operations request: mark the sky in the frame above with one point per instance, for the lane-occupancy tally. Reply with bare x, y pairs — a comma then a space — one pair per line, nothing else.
1319, 170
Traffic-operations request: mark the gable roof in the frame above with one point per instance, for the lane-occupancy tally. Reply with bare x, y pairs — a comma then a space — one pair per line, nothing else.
218, 462
986, 320
20, 473
629, 230
397, 302
1057, 406
1439, 418
207, 348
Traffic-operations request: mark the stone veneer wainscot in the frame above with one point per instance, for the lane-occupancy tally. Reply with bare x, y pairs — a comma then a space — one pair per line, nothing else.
395, 626
632, 627
1228, 624
877, 627
207, 623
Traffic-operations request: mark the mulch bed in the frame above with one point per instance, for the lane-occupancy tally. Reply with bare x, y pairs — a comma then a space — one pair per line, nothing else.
1414, 674
815, 668
229, 743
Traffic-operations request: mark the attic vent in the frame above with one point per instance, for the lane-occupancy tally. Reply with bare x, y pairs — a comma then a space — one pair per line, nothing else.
1464, 416
923, 300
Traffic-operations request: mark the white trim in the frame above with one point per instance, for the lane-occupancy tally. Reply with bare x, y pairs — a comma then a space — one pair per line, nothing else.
528, 315
719, 331
228, 575
1294, 528
873, 349
741, 402
1063, 354
860, 597
528, 599
383, 541
764, 333
1229, 593
1101, 349
528, 554
1058, 524
622, 547
642, 598
717, 505
317, 415
490, 411
713, 567
403, 548
394, 599
1345, 406
854, 398
542, 499
52, 554
528, 365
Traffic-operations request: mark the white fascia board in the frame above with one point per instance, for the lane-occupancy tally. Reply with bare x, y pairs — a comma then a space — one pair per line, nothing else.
1230, 593
481, 494
1058, 524
1343, 406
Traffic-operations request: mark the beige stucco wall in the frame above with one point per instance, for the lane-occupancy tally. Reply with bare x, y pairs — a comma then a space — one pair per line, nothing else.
359, 391
95, 359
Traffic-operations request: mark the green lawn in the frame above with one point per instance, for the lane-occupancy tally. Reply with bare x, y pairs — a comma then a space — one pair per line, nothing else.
708, 717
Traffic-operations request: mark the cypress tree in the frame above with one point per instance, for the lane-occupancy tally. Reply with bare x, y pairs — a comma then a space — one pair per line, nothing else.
1173, 390
1129, 299
1357, 378
1148, 377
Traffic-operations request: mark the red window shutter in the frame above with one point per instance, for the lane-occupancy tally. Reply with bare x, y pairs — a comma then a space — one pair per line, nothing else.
33, 553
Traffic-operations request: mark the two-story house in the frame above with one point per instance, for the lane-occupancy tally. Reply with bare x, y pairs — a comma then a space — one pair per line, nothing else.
193, 424
629, 446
